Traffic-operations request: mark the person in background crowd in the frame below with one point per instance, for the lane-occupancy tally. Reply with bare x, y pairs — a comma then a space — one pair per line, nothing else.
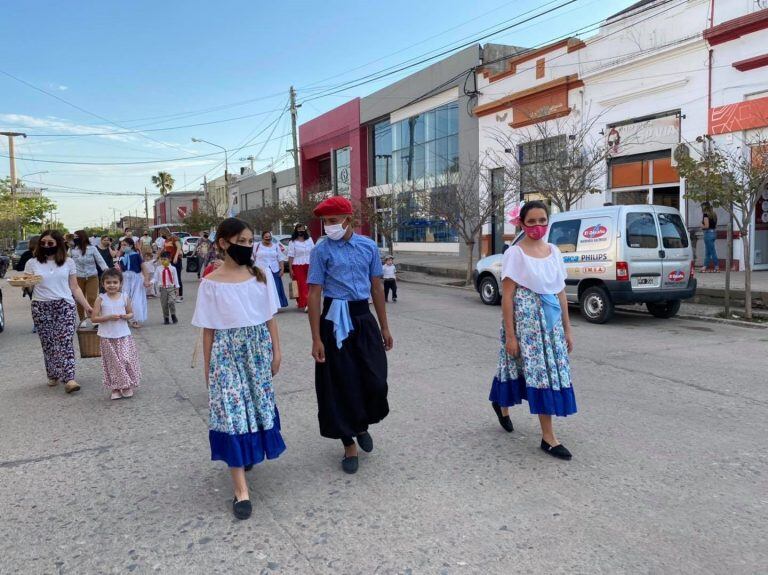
28, 254
299, 250
173, 247
709, 225
235, 307
25, 257
88, 263
215, 263
119, 355
145, 243
269, 256
94, 240
135, 281
160, 242
166, 280
536, 332
348, 347
53, 307
108, 254
202, 252
128, 233
390, 279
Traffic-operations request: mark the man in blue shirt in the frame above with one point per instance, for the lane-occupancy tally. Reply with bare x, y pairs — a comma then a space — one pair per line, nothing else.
347, 344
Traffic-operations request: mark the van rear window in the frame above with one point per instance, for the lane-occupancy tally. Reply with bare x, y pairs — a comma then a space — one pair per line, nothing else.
565, 235
673, 234
641, 231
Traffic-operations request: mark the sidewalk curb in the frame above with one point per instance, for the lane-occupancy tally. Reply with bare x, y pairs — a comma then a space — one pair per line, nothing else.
693, 317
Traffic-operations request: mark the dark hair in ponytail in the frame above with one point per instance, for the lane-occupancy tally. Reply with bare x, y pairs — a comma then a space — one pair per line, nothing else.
230, 228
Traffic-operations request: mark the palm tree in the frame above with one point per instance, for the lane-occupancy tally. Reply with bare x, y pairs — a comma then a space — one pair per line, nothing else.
164, 182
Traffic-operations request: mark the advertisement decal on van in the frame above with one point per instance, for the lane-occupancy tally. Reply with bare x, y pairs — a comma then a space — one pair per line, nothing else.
676, 276
594, 234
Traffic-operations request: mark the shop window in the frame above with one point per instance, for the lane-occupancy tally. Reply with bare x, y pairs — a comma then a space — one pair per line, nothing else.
641, 231
664, 172
673, 234
630, 198
565, 235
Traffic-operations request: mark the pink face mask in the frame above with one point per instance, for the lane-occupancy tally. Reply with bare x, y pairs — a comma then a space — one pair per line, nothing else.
535, 232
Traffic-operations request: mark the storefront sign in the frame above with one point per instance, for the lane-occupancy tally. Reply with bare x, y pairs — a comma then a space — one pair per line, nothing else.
641, 137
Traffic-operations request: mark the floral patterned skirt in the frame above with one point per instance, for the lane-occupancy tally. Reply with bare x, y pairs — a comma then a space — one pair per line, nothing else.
120, 360
244, 424
541, 374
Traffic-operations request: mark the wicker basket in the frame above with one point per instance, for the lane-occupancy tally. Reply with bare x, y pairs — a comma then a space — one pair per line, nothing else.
88, 340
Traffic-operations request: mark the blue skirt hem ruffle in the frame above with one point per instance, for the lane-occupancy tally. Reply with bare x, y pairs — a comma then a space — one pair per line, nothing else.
541, 401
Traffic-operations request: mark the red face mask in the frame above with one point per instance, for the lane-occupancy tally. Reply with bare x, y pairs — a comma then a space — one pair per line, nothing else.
535, 232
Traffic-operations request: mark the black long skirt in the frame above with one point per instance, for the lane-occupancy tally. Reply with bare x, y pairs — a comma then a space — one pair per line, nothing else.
351, 385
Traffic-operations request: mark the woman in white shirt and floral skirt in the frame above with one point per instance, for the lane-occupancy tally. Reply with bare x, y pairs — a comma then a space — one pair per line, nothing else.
53, 307
299, 249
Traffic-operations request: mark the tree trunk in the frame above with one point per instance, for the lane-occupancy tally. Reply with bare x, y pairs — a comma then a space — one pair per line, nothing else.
728, 265
747, 274
470, 261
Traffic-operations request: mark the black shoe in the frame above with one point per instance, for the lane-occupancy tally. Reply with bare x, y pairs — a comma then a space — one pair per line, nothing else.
365, 441
558, 451
242, 509
166, 321
394, 300
504, 420
248, 467
174, 319
350, 464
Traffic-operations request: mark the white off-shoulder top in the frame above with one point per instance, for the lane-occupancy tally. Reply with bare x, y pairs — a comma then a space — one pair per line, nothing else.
230, 305
540, 275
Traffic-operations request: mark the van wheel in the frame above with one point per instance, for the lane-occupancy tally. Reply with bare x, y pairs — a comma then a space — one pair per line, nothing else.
664, 309
489, 291
596, 305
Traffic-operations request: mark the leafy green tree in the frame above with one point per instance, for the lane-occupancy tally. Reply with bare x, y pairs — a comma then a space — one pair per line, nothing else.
164, 182
22, 214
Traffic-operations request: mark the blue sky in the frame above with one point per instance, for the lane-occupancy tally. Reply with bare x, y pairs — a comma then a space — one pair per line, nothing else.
124, 66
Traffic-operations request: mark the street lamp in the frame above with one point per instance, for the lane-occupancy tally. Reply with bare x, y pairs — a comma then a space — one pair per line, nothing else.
226, 170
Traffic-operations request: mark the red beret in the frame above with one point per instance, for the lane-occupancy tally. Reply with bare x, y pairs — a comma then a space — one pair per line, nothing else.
333, 206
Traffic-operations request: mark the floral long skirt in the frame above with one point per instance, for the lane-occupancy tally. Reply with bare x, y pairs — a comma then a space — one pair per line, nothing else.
55, 325
120, 360
541, 374
244, 424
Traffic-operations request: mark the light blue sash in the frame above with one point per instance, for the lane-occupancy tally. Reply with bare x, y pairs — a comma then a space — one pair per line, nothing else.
338, 313
552, 312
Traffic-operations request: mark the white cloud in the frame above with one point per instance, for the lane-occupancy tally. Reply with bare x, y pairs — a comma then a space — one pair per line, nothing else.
62, 88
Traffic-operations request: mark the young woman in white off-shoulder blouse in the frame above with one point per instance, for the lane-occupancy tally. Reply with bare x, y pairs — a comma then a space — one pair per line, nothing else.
236, 305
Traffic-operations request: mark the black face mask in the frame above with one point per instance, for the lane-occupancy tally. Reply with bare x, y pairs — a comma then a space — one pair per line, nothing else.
241, 254
50, 250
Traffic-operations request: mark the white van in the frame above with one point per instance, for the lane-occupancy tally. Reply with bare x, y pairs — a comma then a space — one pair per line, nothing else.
614, 255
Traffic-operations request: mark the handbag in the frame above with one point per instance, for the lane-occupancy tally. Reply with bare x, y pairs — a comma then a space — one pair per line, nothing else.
293, 290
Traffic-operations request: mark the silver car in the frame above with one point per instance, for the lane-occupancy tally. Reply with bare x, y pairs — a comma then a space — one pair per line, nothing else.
614, 255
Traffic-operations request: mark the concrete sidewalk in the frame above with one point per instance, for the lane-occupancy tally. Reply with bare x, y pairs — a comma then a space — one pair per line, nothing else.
711, 286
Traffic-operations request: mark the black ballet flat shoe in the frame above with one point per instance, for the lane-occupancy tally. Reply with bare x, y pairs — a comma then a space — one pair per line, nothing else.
365, 441
558, 451
242, 509
504, 420
350, 465
248, 467
174, 319
166, 321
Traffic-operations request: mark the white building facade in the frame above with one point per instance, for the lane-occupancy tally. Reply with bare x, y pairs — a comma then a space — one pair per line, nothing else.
638, 88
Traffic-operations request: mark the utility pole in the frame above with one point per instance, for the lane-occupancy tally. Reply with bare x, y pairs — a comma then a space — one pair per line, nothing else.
295, 150
249, 159
12, 157
146, 207
114, 219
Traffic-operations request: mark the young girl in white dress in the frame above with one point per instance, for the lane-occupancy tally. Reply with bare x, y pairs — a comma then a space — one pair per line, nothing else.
119, 354
241, 347
135, 280
535, 333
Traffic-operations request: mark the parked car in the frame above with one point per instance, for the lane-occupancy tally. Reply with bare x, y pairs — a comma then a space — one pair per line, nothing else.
5, 263
188, 245
283, 239
614, 255
21, 247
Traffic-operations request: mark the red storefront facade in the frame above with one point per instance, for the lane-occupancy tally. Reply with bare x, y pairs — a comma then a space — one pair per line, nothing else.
334, 155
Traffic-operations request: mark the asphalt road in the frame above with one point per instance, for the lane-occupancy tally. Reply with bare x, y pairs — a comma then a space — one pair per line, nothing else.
669, 473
